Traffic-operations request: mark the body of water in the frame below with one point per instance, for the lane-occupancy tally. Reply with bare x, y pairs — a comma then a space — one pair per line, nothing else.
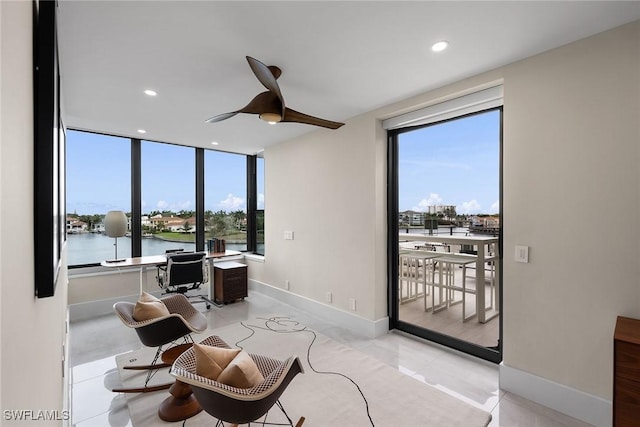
92, 248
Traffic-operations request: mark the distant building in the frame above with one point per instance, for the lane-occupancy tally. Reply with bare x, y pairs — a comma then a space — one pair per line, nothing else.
414, 218
74, 225
411, 218
440, 209
484, 224
173, 223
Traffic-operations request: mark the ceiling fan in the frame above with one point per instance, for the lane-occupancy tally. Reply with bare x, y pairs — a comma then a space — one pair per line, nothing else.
269, 105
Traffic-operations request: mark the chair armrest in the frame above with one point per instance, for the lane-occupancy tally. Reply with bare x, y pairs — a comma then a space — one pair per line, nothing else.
179, 305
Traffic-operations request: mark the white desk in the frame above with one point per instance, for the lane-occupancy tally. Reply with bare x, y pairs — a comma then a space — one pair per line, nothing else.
481, 243
155, 260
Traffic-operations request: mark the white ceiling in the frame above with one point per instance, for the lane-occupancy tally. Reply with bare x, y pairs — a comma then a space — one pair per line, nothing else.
339, 59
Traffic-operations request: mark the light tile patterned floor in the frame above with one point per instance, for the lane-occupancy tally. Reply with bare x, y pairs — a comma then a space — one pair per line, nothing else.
95, 342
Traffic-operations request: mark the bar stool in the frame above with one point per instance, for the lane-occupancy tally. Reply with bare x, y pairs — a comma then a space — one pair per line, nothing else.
415, 266
448, 262
406, 273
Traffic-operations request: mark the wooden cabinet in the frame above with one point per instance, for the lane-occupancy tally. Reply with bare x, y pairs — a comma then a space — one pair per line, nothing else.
230, 281
626, 373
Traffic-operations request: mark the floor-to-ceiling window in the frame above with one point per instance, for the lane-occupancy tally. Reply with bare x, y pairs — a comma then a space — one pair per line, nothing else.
156, 183
98, 180
225, 198
446, 230
168, 198
260, 247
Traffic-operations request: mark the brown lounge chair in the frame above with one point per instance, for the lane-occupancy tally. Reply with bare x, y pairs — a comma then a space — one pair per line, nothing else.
238, 405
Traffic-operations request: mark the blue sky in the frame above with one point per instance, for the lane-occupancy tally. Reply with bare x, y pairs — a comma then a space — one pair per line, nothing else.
99, 176
452, 163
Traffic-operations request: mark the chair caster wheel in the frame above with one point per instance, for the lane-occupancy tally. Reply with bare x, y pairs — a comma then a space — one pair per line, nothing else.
208, 306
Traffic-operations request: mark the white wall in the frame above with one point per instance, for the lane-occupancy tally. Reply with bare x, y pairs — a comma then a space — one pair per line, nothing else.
571, 192
326, 188
32, 330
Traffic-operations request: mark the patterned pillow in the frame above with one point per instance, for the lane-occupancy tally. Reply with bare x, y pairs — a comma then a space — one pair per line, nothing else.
242, 372
149, 307
211, 361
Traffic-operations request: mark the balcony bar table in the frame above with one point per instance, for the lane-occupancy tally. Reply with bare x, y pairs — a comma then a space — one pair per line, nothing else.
481, 243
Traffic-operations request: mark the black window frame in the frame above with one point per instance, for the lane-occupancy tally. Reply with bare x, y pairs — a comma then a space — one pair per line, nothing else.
199, 156
492, 355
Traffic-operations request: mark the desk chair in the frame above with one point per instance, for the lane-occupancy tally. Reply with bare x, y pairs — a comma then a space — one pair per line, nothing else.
185, 271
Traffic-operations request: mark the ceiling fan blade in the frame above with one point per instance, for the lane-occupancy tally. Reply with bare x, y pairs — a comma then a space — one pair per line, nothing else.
298, 117
221, 117
266, 76
263, 102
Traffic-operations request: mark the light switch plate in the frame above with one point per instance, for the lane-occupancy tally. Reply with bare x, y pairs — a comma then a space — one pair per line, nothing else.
288, 235
522, 254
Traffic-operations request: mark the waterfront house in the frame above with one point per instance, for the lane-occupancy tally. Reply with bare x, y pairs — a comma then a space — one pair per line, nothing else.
74, 225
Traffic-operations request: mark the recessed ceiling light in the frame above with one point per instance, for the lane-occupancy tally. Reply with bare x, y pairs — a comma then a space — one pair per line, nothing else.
214, 143
142, 131
150, 92
440, 46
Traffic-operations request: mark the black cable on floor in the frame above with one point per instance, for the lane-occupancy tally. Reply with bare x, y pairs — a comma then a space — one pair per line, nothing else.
287, 322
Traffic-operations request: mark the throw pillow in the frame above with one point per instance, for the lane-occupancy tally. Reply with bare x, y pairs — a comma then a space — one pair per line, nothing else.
149, 307
242, 372
211, 361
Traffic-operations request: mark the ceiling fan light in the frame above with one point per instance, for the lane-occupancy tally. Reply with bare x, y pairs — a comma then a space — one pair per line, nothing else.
271, 118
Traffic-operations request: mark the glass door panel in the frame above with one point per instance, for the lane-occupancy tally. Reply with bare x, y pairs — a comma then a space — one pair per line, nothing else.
449, 232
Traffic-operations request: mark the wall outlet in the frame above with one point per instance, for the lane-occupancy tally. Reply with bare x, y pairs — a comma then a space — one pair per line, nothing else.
352, 304
288, 235
522, 254
328, 296
286, 284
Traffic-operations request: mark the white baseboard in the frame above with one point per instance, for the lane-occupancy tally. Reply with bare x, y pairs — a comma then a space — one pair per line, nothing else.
355, 323
575, 403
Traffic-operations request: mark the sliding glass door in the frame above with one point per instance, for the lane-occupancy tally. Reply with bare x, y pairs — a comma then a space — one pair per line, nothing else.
445, 233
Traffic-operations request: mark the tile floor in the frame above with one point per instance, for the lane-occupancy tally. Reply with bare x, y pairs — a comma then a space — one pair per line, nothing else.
95, 343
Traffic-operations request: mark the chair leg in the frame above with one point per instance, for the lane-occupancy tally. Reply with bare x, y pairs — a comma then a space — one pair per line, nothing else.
146, 367
464, 293
300, 421
443, 293
152, 368
144, 389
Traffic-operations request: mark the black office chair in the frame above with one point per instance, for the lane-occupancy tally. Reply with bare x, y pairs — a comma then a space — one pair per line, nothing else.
185, 271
